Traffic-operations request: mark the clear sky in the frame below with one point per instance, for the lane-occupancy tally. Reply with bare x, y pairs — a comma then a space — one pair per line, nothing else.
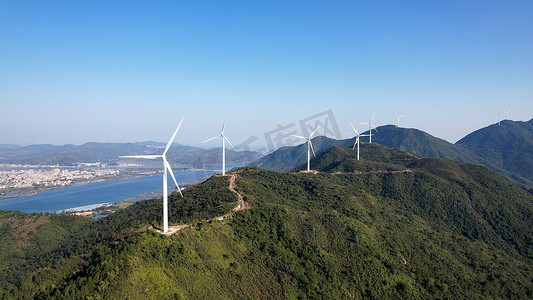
124, 71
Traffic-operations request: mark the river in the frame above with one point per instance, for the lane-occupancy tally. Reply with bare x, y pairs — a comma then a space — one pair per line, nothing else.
95, 193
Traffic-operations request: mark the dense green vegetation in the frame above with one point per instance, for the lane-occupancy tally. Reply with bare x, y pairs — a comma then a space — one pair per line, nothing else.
506, 149
40, 252
391, 226
421, 143
32, 243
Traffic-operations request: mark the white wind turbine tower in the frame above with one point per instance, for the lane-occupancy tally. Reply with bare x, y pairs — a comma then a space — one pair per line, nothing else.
309, 147
370, 126
499, 118
224, 140
166, 168
357, 141
507, 112
398, 120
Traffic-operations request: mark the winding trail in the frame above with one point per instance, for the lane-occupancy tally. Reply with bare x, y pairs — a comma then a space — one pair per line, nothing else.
359, 172
241, 206
374, 172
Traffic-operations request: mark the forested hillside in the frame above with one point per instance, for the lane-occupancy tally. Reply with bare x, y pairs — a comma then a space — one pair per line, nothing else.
389, 226
506, 149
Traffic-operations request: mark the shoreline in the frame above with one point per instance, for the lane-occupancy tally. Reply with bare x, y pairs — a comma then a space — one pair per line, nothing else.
134, 173
80, 183
108, 208
129, 175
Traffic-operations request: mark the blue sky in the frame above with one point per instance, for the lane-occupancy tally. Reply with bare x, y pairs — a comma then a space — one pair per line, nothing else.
79, 71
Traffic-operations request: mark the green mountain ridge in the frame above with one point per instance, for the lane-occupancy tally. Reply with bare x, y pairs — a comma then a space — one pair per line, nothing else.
508, 146
392, 225
421, 143
506, 149
287, 158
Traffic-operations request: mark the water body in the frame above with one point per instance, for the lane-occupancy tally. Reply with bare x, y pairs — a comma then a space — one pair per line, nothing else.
97, 192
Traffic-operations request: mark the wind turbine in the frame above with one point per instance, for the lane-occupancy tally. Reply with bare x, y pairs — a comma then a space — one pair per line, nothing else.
398, 120
357, 142
224, 140
499, 118
370, 126
166, 167
309, 147
507, 112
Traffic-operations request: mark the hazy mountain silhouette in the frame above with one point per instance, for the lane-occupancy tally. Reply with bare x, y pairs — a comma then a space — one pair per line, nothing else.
109, 153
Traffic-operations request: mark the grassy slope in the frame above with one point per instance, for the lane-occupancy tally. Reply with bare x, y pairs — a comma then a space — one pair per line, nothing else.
462, 231
312, 236
40, 253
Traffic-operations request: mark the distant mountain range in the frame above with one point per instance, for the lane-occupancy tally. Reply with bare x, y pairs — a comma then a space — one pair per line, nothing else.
109, 153
506, 149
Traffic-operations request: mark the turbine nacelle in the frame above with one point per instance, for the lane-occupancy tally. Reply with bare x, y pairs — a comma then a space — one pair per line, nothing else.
224, 139
309, 146
398, 119
357, 136
370, 127
166, 168
507, 112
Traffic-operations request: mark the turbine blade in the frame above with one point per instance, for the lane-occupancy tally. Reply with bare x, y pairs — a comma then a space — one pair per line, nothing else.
311, 144
172, 138
211, 138
314, 131
167, 165
224, 126
224, 137
298, 136
351, 125
141, 156
356, 132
